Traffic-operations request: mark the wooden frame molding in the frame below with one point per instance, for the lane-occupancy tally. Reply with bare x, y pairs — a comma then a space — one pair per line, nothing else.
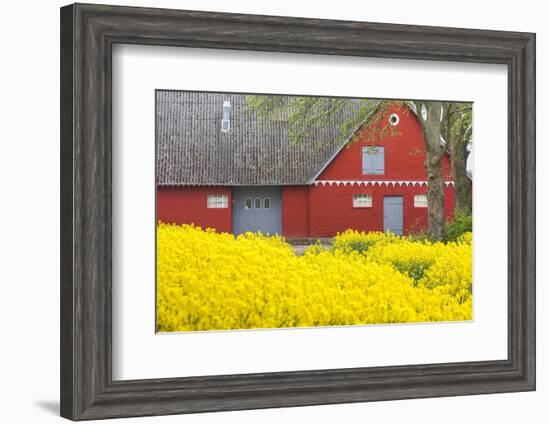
88, 33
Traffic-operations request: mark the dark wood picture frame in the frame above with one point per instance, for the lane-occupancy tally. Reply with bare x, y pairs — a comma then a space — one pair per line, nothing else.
88, 33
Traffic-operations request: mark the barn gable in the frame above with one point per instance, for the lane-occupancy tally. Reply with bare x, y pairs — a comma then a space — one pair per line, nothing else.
396, 155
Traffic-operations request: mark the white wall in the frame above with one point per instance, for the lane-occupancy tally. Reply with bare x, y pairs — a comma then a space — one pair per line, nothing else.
29, 181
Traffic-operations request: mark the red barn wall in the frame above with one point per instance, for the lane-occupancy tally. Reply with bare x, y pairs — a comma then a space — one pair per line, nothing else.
331, 209
295, 211
187, 205
404, 152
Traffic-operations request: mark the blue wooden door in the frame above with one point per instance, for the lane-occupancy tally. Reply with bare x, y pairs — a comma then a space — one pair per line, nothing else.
257, 208
393, 214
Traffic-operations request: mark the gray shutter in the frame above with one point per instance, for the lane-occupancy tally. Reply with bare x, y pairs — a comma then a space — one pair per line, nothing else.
373, 160
368, 163
378, 159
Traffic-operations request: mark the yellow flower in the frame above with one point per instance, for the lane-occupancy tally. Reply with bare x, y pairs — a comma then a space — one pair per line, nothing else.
212, 281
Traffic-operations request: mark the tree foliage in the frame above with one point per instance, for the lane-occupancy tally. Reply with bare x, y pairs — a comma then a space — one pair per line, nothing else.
307, 113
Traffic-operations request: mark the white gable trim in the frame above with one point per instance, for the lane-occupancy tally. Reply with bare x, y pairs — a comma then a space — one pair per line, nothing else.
373, 183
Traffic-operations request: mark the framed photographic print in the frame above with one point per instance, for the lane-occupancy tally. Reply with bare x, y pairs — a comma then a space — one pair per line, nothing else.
264, 212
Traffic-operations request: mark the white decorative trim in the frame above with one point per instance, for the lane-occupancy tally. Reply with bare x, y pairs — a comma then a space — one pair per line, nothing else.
373, 183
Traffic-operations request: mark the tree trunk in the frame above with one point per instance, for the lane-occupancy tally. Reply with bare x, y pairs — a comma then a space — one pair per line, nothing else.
436, 185
436, 200
458, 131
459, 156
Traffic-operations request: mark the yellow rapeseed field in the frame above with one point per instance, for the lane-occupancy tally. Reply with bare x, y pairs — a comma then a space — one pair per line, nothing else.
212, 281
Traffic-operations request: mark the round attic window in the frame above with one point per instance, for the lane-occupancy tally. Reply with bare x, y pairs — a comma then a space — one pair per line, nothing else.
394, 119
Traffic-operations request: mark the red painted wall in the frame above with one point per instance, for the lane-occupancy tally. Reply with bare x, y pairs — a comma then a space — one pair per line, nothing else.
295, 211
308, 211
404, 152
187, 205
331, 209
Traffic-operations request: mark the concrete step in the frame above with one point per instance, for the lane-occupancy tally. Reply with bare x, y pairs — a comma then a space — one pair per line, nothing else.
309, 241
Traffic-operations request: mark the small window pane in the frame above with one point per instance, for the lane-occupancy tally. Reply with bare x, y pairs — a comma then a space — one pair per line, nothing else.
267, 203
362, 200
420, 201
257, 203
248, 203
217, 201
225, 125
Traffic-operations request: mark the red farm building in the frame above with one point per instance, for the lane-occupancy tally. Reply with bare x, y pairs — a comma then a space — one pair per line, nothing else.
219, 165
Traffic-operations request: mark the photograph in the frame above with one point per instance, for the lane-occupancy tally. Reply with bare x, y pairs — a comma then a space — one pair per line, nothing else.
283, 211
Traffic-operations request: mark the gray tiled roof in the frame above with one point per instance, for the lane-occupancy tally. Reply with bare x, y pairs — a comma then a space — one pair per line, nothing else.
192, 149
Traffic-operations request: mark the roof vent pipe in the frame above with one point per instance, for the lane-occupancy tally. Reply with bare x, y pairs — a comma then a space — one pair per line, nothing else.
225, 117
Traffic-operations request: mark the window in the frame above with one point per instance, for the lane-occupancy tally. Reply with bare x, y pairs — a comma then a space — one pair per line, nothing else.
362, 200
226, 111
420, 201
373, 160
258, 203
394, 119
217, 201
225, 125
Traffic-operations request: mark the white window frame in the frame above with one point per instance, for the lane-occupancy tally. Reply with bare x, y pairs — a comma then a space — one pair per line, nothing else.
255, 200
263, 202
420, 201
217, 201
362, 200
226, 125
394, 116
245, 203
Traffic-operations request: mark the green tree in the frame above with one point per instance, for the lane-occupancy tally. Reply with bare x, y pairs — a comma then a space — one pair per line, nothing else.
308, 113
